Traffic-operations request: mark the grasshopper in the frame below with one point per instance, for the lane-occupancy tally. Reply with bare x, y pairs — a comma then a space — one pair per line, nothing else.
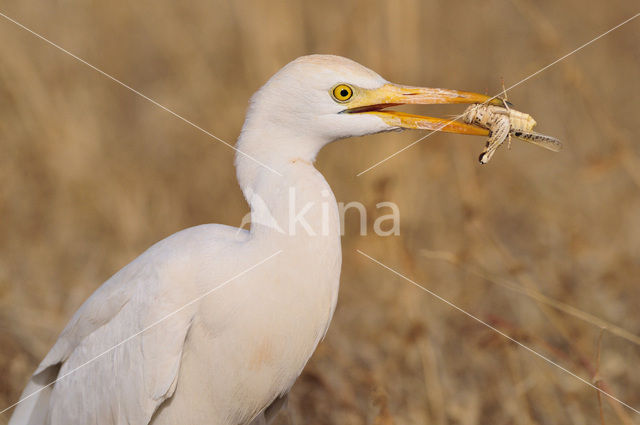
504, 122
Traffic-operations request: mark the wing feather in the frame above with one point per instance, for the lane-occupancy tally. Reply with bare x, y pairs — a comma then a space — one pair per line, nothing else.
119, 357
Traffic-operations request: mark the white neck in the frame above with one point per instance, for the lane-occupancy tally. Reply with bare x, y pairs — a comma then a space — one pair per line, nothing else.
267, 145
276, 173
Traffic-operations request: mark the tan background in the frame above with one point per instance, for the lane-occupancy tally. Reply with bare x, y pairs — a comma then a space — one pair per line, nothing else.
92, 174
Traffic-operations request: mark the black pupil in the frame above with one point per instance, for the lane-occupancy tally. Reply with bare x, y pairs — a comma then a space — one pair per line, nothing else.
344, 93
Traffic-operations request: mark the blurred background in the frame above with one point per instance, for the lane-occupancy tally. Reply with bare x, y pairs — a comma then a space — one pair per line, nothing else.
543, 246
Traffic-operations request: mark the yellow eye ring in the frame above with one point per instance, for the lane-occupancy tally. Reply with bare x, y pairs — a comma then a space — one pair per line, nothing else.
342, 92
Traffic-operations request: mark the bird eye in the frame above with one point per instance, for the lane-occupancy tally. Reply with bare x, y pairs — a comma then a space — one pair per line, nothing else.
342, 92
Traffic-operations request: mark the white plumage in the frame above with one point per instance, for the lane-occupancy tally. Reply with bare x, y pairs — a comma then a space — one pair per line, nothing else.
227, 357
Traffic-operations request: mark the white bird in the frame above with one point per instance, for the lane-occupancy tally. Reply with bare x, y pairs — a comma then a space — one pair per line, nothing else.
213, 324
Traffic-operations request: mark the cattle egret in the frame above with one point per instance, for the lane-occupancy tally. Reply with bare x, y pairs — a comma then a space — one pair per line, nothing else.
213, 324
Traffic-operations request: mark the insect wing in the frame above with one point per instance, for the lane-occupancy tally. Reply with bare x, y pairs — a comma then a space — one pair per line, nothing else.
538, 139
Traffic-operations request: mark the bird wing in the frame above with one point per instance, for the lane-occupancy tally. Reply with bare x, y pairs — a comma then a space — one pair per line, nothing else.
119, 357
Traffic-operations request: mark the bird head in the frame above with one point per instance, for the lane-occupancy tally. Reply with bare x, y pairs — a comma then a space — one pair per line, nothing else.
321, 98
317, 99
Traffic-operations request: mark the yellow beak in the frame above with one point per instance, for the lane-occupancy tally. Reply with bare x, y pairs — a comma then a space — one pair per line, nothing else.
373, 101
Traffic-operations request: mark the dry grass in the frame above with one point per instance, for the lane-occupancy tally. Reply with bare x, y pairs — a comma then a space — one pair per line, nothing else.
545, 247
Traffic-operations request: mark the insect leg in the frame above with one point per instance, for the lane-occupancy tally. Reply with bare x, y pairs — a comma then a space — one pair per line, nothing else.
499, 132
505, 98
539, 139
